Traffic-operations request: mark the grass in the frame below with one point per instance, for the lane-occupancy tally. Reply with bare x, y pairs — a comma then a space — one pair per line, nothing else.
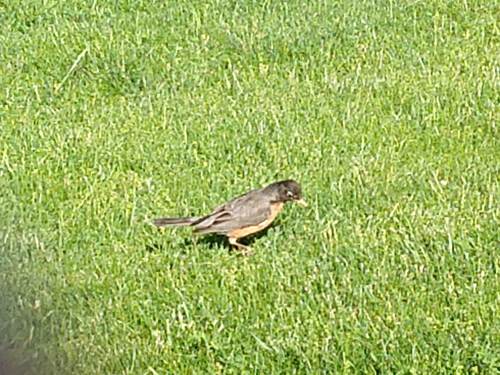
115, 113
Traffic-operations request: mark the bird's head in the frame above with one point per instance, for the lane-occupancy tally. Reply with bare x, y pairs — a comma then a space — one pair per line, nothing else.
289, 191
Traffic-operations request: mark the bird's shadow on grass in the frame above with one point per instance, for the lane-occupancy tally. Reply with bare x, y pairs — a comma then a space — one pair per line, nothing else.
212, 241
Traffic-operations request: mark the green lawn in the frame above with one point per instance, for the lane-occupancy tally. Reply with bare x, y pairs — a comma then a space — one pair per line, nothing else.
113, 113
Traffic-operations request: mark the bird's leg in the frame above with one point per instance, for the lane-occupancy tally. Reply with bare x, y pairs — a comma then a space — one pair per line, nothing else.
245, 250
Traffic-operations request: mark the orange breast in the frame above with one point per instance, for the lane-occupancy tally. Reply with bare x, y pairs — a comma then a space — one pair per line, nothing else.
243, 232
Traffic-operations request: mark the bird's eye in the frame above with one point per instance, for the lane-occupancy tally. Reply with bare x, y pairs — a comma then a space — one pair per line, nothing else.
289, 194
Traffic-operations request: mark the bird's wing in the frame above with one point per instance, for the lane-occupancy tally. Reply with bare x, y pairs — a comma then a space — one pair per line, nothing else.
246, 210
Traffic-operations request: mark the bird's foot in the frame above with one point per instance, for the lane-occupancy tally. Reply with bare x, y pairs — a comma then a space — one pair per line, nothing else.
243, 250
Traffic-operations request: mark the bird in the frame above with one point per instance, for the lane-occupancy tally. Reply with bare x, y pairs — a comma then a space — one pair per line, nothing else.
243, 215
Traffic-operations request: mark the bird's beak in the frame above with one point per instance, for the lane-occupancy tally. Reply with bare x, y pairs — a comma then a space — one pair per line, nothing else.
302, 202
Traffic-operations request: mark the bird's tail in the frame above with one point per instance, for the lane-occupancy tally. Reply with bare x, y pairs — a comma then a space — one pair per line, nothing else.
174, 221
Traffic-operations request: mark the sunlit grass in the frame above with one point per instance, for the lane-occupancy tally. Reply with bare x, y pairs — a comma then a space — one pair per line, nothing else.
386, 113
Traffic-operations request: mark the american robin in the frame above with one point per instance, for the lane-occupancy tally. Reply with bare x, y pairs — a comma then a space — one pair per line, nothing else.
244, 215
